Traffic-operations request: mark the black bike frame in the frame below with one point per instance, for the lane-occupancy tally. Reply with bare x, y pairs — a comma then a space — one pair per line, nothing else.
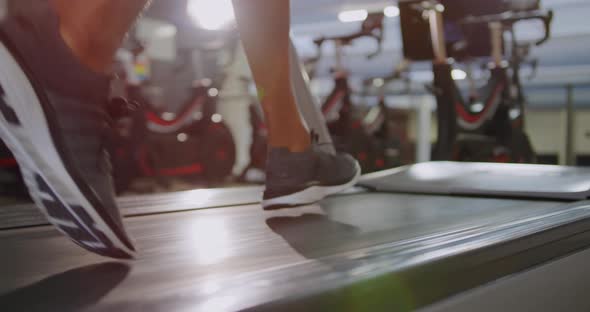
452, 113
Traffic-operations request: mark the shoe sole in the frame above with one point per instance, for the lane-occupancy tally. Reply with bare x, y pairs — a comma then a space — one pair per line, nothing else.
25, 130
309, 195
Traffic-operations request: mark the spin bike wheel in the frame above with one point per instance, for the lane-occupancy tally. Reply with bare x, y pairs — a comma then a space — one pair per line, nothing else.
219, 152
358, 145
259, 147
164, 157
258, 155
390, 152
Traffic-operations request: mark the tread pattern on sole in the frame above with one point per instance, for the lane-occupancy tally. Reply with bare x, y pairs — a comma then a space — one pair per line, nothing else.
73, 220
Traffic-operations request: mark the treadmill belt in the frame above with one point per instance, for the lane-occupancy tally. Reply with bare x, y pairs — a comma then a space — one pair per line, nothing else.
26, 214
243, 257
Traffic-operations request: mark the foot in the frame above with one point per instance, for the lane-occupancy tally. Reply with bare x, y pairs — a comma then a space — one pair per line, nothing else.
54, 119
296, 179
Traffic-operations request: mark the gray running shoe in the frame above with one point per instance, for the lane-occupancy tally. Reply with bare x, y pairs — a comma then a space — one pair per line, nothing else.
296, 179
57, 121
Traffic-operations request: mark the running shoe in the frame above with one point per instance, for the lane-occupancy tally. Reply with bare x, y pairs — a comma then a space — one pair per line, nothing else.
297, 179
56, 119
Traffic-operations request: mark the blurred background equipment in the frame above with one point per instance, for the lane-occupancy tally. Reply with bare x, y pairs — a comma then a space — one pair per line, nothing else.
344, 119
169, 143
369, 63
383, 116
489, 125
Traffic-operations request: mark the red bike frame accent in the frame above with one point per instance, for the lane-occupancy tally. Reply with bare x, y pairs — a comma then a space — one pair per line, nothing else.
7, 162
474, 118
187, 113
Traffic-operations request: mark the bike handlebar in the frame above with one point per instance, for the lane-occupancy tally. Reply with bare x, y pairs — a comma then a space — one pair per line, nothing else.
372, 27
506, 18
511, 17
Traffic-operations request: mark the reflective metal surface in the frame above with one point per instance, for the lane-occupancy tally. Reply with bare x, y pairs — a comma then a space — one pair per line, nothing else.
24, 215
485, 179
564, 279
242, 257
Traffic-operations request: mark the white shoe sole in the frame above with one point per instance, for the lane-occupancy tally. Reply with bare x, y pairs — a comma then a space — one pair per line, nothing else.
309, 195
50, 185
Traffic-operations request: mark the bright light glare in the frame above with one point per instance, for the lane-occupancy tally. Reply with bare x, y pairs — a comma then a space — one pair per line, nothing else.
213, 92
477, 108
210, 240
391, 11
182, 137
458, 74
434, 171
216, 118
514, 113
378, 82
211, 15
353, 16
168, 116
165, 31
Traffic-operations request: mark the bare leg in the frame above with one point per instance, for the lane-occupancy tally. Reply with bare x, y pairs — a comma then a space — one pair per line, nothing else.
94, 29
264, 29
264, 26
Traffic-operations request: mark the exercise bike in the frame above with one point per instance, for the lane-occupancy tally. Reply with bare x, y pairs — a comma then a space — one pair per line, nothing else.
387, 125
344, 122
194, 145
494, 131
255, 171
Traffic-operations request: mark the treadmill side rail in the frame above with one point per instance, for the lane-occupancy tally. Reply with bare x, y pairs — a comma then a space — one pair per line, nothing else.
485, 179
409, 275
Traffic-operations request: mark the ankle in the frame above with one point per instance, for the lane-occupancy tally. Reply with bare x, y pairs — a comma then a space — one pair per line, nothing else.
297, 145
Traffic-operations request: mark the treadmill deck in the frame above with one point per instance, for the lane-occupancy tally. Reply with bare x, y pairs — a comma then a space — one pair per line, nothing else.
242, 257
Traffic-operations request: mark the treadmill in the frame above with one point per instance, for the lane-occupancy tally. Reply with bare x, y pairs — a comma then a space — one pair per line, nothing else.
428, 237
